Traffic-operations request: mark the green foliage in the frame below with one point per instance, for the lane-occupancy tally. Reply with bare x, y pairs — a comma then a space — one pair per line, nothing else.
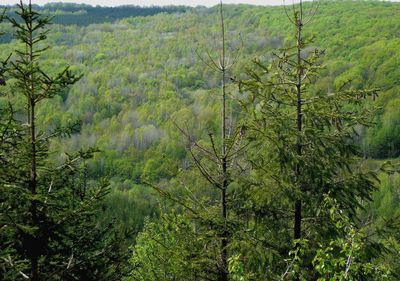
345, 258
384, 141
260, 224
82, 15
49, 211
121, 93
168, 250
127, 207
236, 269
142, 78
301, 147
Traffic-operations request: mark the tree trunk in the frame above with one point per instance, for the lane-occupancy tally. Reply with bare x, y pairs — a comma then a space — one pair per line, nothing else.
34, 255
298, 203
224, 239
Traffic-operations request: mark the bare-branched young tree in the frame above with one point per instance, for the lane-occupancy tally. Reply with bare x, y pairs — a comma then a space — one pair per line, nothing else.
215, 160
224, 160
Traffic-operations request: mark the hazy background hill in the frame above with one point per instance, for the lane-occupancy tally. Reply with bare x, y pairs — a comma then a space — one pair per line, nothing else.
82, 14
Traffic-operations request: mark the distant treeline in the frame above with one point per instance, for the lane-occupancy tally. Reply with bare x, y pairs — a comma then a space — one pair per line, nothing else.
82, 14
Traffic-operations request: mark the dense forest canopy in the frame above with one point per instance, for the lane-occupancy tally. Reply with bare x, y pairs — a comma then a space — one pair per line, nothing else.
82, 14
144, 82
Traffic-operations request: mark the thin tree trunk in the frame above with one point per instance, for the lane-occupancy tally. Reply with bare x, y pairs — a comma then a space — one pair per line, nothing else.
298, 172
298, 204
34, 256
32, 186
224, 239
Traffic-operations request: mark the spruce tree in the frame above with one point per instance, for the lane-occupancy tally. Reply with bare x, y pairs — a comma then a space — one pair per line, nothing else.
302, 150
49, 210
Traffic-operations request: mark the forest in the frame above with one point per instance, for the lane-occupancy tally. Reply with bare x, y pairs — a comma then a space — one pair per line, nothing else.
231, 143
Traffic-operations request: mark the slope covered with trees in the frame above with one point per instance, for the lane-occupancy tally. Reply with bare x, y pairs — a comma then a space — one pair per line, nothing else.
144, 83
81, 14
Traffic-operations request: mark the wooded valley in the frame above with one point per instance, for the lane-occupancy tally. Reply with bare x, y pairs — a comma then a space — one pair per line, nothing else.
236, 142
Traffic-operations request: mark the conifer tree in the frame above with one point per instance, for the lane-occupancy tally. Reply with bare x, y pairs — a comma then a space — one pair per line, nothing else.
303, 148
217, 169
49, 210
215, 161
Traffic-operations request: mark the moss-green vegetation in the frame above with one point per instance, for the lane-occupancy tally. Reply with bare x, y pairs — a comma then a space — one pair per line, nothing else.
142, 80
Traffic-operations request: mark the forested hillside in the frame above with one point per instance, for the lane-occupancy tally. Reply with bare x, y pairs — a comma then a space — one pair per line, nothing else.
82, 15
145, 90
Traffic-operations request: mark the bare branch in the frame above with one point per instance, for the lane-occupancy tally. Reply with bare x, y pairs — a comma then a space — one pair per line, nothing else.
212, 66
192, 142
203, 170
313, 11
214, 147
287, 13
169, 196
